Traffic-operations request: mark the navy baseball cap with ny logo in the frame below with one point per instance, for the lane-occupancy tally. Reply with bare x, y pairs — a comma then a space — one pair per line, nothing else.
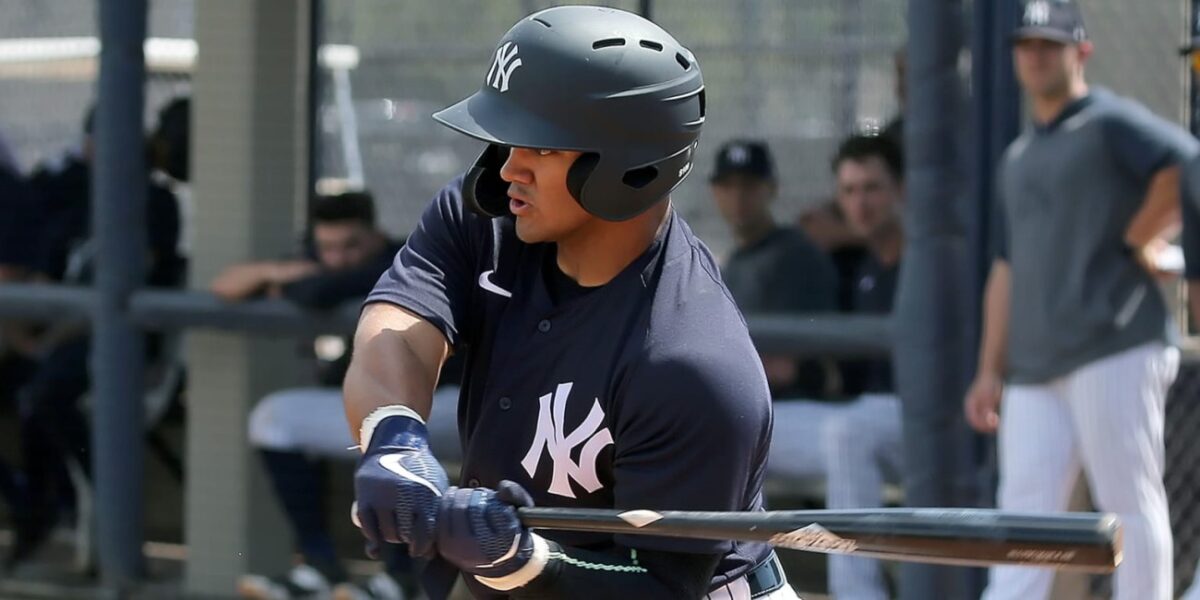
1055, 20
750, 158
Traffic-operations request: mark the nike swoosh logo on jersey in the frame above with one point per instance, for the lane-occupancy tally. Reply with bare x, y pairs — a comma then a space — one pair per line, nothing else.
392, 463
487, 284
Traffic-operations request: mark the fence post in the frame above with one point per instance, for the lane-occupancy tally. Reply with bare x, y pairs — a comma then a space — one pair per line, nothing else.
931, 354
251, 187
119, 183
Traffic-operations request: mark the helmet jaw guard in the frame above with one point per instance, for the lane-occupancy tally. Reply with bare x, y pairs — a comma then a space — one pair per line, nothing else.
486, 193
634, 109
483, 189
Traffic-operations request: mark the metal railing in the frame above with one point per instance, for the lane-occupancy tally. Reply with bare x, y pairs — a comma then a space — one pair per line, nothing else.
836, 335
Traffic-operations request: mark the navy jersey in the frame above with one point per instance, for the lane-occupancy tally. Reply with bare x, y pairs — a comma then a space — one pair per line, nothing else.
874, 293
642, 393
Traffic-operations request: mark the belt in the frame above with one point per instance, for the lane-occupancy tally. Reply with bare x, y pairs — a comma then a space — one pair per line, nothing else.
766, 577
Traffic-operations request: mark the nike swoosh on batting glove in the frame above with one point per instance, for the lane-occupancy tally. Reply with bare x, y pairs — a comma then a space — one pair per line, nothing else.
398, 485
480, 533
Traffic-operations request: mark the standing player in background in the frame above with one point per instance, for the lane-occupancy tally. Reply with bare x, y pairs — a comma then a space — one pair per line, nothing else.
606, 364
1074, 325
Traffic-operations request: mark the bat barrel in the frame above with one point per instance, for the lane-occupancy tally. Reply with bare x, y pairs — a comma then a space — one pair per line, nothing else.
1079, 541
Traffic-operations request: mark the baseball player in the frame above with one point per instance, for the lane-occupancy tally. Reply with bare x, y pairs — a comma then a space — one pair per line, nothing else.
606, 365
1073, 323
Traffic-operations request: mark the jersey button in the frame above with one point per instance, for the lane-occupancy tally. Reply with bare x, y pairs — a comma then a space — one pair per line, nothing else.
505, 403
544, 326
472, 482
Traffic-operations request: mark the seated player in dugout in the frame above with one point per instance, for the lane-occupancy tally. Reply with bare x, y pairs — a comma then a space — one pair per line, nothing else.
606, 364
54, 427
344, 253
297, 431
772, 269
854, 444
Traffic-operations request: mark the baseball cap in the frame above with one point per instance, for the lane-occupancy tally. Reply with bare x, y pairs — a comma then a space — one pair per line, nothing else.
743, 157
1055, 20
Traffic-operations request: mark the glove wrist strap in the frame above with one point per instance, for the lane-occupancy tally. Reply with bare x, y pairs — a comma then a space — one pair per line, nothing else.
367, 429
528, 572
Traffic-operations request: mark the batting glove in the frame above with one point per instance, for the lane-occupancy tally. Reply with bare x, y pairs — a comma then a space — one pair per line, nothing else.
480, 533
398, 485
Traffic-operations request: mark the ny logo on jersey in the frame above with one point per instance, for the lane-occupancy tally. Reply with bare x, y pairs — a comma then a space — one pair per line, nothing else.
503, 66
1037, 13
551, 437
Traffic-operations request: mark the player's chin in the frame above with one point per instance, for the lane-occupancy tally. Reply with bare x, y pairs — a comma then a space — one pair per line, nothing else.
529, 232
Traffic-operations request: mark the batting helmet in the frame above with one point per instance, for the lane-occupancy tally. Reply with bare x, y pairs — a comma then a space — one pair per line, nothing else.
600, 81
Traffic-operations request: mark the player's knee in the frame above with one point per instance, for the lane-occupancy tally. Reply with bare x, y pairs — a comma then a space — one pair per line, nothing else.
267, 428
838, 437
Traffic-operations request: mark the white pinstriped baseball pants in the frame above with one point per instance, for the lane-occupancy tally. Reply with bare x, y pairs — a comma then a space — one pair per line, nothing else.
1106, 417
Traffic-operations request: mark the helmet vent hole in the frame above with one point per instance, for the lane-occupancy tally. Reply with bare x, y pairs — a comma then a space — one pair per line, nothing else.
702, 103
652, 45
537, 20
608, 43
683, 61
641, 177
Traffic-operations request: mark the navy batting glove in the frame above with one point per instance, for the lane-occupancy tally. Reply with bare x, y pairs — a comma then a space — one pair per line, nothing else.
398, 485
480, 533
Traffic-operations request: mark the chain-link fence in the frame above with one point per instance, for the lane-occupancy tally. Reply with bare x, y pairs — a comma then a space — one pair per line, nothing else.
799, 75
1183, 469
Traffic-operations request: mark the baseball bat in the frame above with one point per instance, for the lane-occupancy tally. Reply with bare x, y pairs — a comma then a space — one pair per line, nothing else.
1089, 542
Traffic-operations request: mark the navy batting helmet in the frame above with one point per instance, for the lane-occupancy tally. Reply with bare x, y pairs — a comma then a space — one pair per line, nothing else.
600, 81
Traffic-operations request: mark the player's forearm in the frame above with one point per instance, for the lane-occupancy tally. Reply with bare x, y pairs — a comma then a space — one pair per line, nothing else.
394, 363
1159, 213
997, 298
240, 281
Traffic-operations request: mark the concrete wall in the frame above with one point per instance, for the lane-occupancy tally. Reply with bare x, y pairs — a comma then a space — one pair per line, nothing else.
250, 166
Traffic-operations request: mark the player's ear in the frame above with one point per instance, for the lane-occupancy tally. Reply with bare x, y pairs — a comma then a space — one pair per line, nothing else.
1085, 49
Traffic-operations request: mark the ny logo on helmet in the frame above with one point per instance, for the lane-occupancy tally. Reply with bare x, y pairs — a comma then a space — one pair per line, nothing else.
1037, 13
503, 66
551, 437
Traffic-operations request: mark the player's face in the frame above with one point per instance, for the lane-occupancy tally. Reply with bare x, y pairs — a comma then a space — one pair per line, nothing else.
545, 211
744, 201
868, 195
1045, 67
343, 244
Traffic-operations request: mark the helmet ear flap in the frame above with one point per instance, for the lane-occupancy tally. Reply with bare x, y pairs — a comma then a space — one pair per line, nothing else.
483, 189
578, 174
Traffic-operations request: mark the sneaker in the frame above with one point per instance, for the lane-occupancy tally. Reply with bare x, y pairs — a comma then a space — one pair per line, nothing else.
379, 587
302, 582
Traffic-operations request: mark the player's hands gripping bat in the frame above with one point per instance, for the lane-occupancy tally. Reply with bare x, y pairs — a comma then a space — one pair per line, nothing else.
479, 531
398, 485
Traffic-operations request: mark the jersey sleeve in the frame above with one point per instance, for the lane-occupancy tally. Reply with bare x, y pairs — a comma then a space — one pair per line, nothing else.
693, 435
432, 275
1144, 143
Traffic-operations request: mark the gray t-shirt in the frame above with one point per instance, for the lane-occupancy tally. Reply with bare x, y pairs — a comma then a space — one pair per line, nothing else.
785, 273
1067, 191
781, 273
